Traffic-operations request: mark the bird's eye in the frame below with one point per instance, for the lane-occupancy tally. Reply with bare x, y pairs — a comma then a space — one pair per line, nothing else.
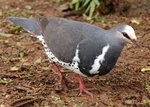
125, 35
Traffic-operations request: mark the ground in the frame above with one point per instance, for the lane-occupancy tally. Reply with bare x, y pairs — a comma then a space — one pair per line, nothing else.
27, 78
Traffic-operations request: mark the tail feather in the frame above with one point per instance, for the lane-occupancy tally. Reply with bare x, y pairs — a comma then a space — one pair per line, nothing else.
28, 24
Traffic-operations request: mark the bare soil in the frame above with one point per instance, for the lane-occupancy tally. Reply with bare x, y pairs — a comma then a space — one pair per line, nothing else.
27, 78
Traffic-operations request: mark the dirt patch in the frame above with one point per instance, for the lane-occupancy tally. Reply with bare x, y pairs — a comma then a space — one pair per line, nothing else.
26, 76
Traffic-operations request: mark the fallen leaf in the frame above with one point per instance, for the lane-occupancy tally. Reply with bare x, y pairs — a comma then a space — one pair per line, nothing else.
104, 99
2, 105
4, 58
1, 51
22, 101
45, 68
19, 44
46, 105
129, 46
5, 35
146, 100
26, 64
28, 7
136, 21
1, 12
63, 7
128, 102
148, 87
14, 68
145, 69
38, 61
5, 80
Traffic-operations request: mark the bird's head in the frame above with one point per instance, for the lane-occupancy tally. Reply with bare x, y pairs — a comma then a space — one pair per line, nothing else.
127, 33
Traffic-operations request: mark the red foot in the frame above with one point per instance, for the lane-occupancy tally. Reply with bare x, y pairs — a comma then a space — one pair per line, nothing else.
82, 87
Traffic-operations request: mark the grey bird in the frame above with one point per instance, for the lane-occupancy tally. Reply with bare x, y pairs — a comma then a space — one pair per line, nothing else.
83, 48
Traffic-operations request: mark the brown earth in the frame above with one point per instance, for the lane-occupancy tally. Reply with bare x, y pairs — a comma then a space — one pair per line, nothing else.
28, 80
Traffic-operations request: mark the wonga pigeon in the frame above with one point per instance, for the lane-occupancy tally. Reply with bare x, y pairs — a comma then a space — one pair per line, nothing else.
81, 47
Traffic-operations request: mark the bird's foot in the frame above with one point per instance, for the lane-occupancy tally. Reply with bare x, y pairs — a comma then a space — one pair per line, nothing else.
82, 87
63, 80
85, 90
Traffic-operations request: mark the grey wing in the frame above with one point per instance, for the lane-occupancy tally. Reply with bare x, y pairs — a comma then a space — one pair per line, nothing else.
28, 24
61, 37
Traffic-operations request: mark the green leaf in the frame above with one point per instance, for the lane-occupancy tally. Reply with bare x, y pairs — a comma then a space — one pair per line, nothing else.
99, 19
57, 100
21, 54
77, 6
86, 2
15, 29
97, 2
148, 87
88, 8
75, 1
92, 8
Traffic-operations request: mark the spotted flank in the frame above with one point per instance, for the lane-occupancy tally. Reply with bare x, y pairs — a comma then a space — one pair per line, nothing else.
72, 66
99, 60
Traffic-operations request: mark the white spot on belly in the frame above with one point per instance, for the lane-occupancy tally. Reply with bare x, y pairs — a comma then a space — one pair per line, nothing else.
40, 37
76, 57
75, 62
98, 60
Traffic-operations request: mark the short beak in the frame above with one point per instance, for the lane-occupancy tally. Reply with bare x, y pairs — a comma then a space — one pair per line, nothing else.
135, 42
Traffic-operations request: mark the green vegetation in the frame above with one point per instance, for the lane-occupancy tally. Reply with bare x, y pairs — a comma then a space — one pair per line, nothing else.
13, 29
89, 5
57, 100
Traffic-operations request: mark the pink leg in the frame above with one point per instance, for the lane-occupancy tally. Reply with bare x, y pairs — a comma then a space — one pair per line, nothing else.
58, 72
82, 86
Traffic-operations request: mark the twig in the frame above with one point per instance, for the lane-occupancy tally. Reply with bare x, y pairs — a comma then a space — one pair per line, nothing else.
4, 75
23, 101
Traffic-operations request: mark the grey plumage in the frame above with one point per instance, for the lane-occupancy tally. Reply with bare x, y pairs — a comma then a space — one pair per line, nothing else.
62, 37
28, 24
